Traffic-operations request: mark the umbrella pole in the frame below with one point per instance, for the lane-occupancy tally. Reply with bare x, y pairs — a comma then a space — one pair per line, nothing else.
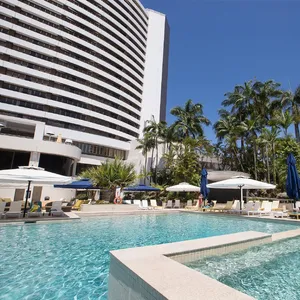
27, 196
241, 199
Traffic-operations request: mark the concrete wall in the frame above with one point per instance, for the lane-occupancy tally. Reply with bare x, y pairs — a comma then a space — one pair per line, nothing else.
155, 77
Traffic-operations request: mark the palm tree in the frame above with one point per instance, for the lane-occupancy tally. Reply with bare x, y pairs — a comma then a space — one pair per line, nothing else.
156, 132
145, 144
291, 102
111, 174
190, 119
249, 128
284, 120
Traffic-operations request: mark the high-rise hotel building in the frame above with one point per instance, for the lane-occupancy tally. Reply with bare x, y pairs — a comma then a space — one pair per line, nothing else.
78, 80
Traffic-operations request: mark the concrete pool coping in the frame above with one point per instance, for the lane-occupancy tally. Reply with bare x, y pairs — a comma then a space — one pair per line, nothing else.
158, 272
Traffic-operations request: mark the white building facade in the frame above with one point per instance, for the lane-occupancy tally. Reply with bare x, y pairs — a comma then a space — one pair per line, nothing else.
78, 80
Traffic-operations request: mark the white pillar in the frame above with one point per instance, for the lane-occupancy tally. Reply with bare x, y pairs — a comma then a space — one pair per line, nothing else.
34, 159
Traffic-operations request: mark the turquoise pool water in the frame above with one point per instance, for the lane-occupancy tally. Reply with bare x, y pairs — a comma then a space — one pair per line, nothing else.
70, 260
268, 272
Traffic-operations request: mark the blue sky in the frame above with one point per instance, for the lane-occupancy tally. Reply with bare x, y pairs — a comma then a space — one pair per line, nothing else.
218, 44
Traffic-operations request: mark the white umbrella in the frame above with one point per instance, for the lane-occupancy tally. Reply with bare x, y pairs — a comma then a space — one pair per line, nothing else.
30, 175
183, 187
242, 183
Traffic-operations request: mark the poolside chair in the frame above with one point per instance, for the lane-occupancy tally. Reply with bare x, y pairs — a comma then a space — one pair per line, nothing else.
177, 204
248, 206
235, 207
169, 204
189, 203
56, 210
266, 210
275, 204
35, 211
153, 204
145, 204
14, 210
137, 202
227, 207
77, 205
191, 206
2, 208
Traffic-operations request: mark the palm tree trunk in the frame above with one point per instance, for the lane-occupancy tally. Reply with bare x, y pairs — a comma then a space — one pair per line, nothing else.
274, 165
156, 160
268, 165
151, 167
145, 167
297, 132
255, 160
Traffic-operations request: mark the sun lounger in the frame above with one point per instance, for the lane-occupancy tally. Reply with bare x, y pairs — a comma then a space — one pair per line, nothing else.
227, 207
2, 208
169, 204
177, 204
77, 205
145, 204
189, 203
137, 202
56, 210
153, 204
35, 211
275, 204
14, 210
236, 207
266, 210
280, 214
248, 206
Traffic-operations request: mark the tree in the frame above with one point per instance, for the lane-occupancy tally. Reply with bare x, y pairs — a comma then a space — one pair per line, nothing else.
111, 174
190, 120
291, 103
156, 132
145, 144
283, 119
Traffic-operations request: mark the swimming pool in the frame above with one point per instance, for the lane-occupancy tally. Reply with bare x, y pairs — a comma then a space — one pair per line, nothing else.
270, 271
70, 260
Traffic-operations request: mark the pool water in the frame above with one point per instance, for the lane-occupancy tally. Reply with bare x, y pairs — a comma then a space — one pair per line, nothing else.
70, 260
268, 272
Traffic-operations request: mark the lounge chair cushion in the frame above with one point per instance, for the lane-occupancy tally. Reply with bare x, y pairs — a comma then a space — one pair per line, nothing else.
35, 208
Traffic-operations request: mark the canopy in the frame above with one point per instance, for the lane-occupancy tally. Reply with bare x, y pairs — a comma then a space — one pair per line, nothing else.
183, 187
203, 184
292, 180
141, 188
83, 184
31, 174
241, 182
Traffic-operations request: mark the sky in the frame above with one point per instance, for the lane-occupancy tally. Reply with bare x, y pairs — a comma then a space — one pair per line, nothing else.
217, 44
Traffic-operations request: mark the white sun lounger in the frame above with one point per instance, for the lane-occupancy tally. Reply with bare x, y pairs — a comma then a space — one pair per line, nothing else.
153, 204
169, 204
2, 208
145, 204
236, 207
248, 206
14, 210
266, 210
177, 204
137, 202
56, 210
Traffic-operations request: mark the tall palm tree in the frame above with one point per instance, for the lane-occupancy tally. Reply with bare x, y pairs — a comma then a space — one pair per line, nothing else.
249, 127
145, 144
155, 130
282, 119
291, 102
190, 119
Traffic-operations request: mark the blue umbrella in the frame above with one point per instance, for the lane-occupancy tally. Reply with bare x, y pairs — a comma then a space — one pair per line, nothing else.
292, 180
83, 184
203, 184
